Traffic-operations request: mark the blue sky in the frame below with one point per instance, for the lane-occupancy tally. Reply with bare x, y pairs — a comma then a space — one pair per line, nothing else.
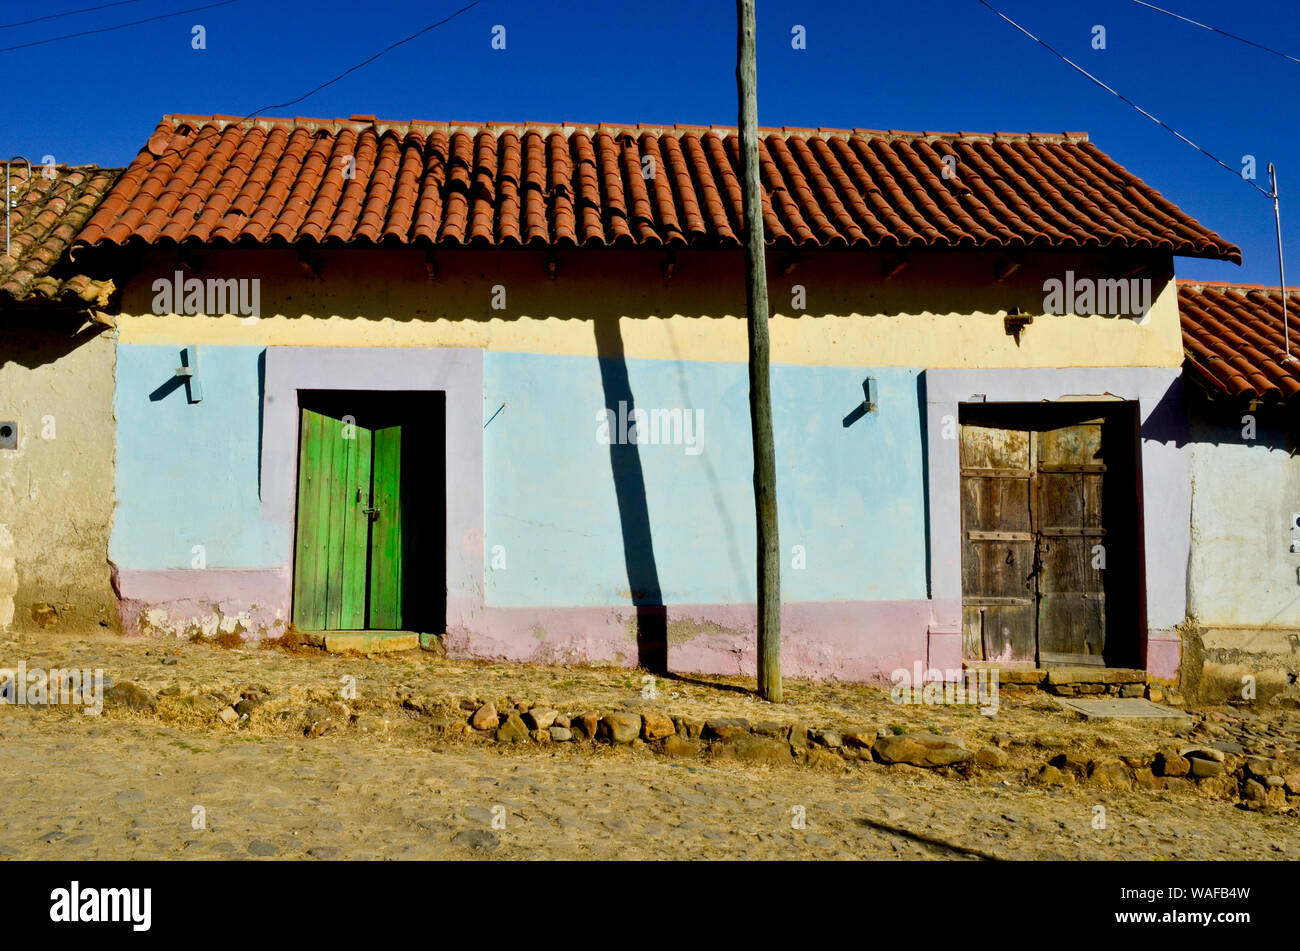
944, 65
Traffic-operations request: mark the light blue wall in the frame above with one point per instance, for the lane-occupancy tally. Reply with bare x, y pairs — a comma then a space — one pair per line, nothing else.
852, 497
187, 473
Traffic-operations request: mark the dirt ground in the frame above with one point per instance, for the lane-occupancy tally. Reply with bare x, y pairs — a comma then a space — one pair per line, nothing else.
177, 782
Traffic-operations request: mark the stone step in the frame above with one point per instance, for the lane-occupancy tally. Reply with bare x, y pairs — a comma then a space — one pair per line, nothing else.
1095, 675
1026, 674
1128, 709
370, 642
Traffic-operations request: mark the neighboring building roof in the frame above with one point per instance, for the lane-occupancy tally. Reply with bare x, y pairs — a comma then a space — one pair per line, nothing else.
221, 179
48, 214
1233, 338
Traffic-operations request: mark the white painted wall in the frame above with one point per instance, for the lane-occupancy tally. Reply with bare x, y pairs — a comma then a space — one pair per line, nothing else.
1243, 585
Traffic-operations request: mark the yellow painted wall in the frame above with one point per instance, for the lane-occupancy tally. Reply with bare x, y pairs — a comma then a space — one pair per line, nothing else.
945, 309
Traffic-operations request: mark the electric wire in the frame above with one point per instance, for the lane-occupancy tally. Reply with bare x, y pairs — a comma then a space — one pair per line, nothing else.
110, 29
1160, 122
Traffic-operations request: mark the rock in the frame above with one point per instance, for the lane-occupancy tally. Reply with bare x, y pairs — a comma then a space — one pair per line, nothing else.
1227, 746
719, 728
1205, 768
921, 749
680, 747
1204, 752
1147, 779
541, 718
862, 738
320, 727
747, 748
770, 728
247, 706
477, 840
1255, 794
991, 756
540, 736
561, 721
827, 738
619, 727
1138, 760
513, 730
1260, 767
1292, 783
798, 735
656, 726
1273, 782
820, 759
586, 725
1175, 697
1131, 690
689, 727
1155, 694
228, 715
1053, 777
1071, 762
369, 723
339, 710
1171, 763
261, 847
561, 734
1111, 773
130, 695
485, 718
1218, 786
523, 706
1049, 741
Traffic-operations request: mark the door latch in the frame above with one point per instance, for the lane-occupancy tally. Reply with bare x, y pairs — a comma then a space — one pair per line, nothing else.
371, 513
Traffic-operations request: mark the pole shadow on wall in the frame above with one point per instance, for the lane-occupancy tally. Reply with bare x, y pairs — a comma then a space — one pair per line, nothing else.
633, 510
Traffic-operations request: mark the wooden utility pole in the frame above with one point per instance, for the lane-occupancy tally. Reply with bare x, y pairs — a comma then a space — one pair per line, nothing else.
760, 390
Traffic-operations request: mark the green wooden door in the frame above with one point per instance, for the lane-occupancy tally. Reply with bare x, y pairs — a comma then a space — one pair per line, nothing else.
386, 532
335, 460
348, 556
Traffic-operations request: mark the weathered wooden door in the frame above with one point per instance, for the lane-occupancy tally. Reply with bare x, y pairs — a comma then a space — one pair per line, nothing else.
386, 532
998, 588
1071, 544
1033, 549
348, 555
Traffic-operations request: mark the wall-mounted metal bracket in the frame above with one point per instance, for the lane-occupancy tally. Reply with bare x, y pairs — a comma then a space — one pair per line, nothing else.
189, 372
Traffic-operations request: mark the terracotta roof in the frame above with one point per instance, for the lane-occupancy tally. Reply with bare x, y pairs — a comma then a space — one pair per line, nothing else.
48, 214
1233, 338
220, 179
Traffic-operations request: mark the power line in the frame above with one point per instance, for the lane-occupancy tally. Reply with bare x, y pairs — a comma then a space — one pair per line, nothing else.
55, 16
365, 62
351, 69
120, 26
1164, 125
1215, 29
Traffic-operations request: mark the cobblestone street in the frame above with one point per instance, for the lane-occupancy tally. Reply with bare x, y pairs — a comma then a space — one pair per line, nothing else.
78, 789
